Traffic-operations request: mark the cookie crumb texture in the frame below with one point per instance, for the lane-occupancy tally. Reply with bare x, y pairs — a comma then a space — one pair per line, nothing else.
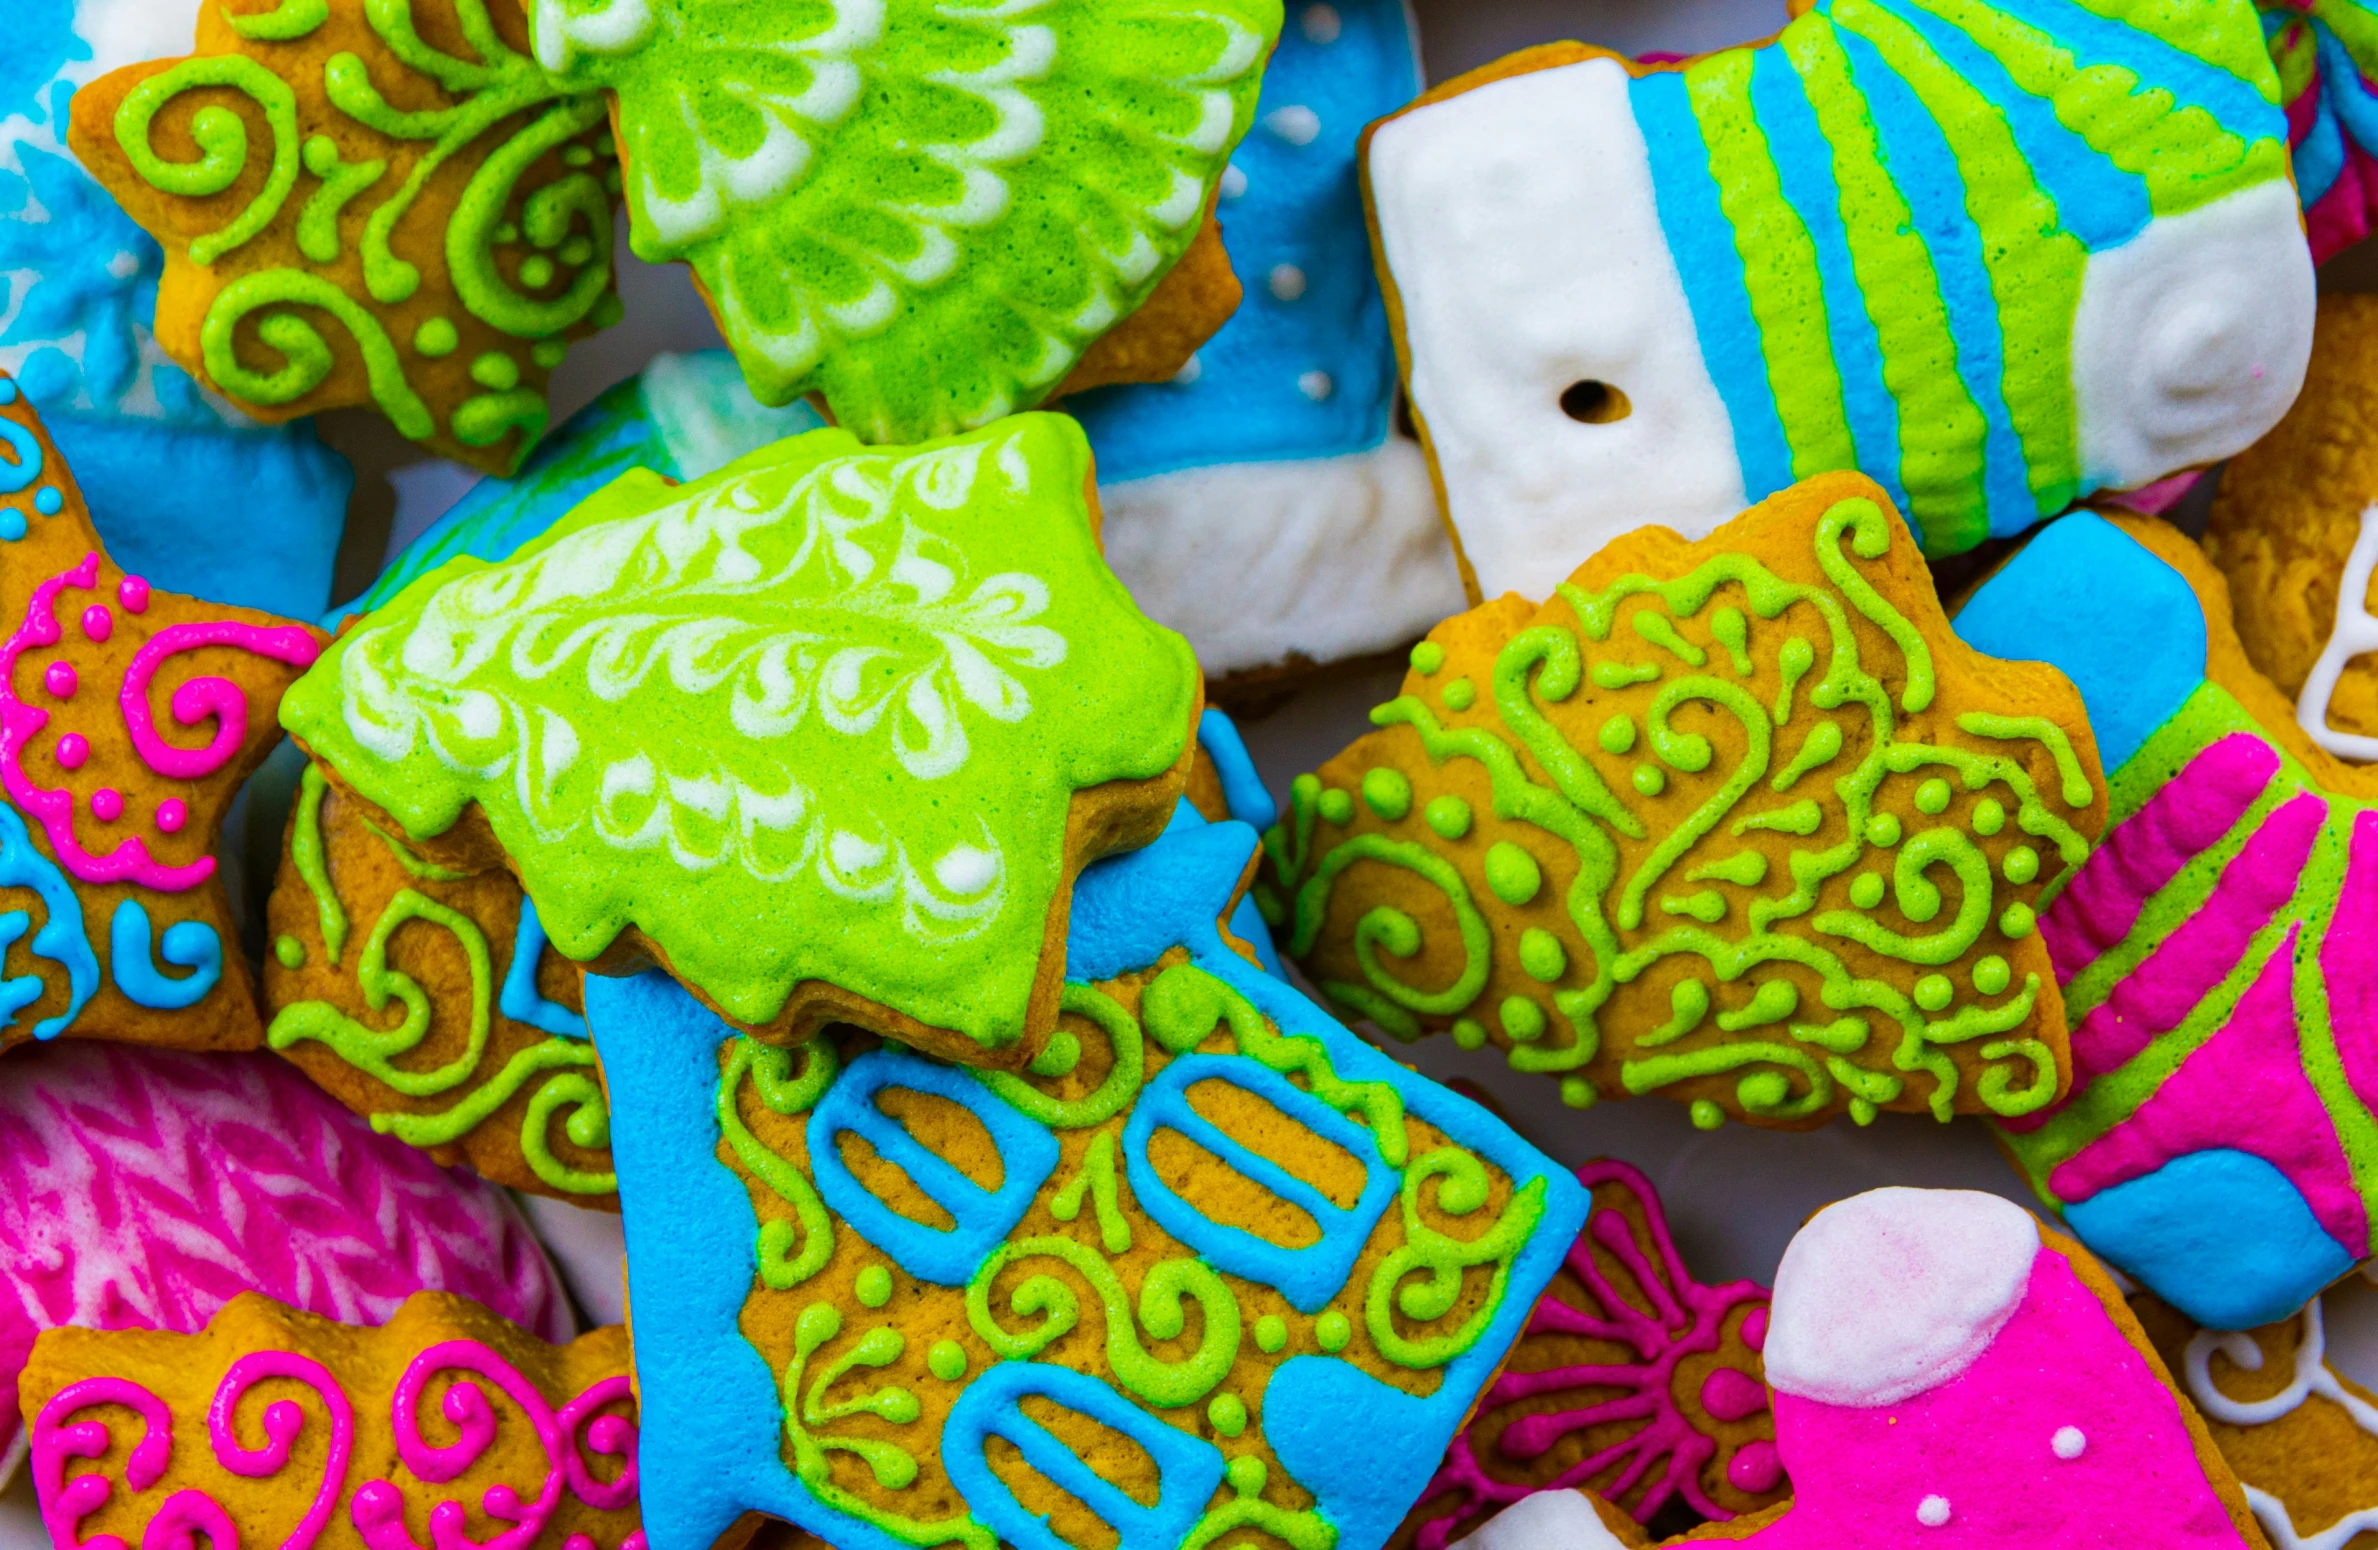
1739, 822
383, 204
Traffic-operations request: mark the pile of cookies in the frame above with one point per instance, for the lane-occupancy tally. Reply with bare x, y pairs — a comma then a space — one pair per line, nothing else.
763, 879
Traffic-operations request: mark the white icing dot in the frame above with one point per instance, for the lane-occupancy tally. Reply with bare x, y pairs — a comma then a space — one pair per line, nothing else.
1295, 123
1321, 24
966, 870
1287, 282
1190, 372
1933, 1511
2069, 1442
851, 853
479, 714
124, 265
1316, 385
1234, 182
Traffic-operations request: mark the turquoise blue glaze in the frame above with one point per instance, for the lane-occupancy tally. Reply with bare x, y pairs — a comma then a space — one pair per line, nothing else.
61, 939
520, 999
187, 944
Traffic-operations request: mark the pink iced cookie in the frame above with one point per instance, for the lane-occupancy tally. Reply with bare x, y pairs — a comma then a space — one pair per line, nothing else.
142, 1189
1944, 1377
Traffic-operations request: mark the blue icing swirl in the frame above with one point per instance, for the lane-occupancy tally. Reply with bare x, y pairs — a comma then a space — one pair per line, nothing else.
61, 939
188, 944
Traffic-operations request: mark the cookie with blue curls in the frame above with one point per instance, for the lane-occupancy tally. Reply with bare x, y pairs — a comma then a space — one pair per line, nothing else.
1996, 257
129, 718
81, 294
1210, 1268
1262, 502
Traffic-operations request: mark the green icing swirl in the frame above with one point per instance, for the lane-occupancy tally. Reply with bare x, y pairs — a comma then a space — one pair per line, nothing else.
1163, 1297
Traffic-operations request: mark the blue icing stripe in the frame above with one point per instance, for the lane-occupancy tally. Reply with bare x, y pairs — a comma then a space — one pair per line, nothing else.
1188, 1469
981, 1218
188, 944
1702, 240
2343, 89
1919, 160
2320, 159
520, 999
1242, 788
1335, 70
61, 939
2244, 108
1804, 163
2096, 201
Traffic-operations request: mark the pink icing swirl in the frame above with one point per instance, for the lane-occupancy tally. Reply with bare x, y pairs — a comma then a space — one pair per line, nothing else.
56, 1439
283, 1420
378, 1509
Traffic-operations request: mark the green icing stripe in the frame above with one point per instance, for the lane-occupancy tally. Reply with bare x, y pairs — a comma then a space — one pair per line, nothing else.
2226, 34
1779, 266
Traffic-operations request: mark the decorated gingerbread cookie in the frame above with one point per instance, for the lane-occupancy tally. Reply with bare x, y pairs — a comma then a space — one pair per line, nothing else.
365, 202
932, 217
1632, 1379
1739, 822
827, 734
1262, 503
1232, 1269
2295, 529
78, 303
129, 716
276, 1427
2219, 1144
1887, 240
142, 1189
2327, 54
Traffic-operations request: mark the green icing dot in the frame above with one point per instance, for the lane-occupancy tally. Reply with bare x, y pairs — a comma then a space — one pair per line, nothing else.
2021, 865
290, 951
1059, 1056
577, 156
1460, 694
1248, 1475
1332, 1330
576, 252
1707, 1115
1469, 1033
946, 1361
1387, 793
1228, 1412
2017, 921
1541, 954
496, 370
875, 1286
436, 338
536, 272
1933, 796
1988, 817
1933, 992
1618, 734
1650, 780
1991, 975
549, 353
1867, 890
1271, 1333
1522, 1019
1336, 806
1449, 816
1882, 829
1511, 873
507, 232
1427, 657
1578, 1093
1763, 1091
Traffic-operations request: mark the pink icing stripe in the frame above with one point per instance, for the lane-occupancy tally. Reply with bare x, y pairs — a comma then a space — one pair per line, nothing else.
2243, 1088
200, 698
379, 1508
2349, 963
2146, 851
2341, 218
65, 1503
283, 1420
1982, 1444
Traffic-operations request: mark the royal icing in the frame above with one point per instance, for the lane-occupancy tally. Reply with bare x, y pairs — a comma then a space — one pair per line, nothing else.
2326, 53
2355, 633
2309, 1389
824, 685
1282, 1335
926, 215
1996, 257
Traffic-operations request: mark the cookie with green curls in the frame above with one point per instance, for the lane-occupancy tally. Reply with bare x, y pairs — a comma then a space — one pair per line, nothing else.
931, 214
367, 202
1738, 822
827, 734
428, 1001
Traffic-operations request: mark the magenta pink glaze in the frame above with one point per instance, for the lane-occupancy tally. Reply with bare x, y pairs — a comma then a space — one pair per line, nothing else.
1688, 1320
74, 751
2349, 963
283, 1420
172, 813
98, 623
1982, 1442
60, 679
133, 593
131, 861
2243, 1088
107, 804
142, 1189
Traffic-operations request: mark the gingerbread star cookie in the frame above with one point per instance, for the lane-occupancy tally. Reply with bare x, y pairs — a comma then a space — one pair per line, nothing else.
380, 202
1738, 822
129, 717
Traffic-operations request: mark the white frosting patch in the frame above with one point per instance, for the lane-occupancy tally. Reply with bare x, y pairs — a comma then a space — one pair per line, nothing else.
1520, 226
1548, 1520
131, 32
1255, 562
1894, 1292
707, 417
2193, 337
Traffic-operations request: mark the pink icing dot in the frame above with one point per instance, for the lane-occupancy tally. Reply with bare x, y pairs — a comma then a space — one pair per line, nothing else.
98, 623
1730, 1394
59, 678
107, 804
1755, 1467
133, 593
172, 813
1754, 1329
73, 749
